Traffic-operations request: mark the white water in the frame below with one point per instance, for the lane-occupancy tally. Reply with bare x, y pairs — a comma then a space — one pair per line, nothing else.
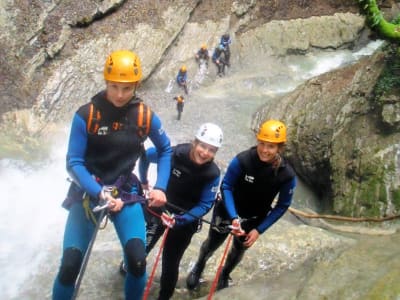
32, 219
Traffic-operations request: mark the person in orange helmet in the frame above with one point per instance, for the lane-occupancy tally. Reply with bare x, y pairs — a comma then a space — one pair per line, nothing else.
202, 55
181, 78
252, 181
106, 139
180, 102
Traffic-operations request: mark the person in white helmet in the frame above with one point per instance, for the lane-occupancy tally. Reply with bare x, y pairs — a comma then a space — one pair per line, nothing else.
191, 192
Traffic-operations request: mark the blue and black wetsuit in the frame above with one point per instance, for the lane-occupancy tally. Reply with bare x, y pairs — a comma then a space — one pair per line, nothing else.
181, 78
203, 54
248, 190
225, 43
191, 187
219, 58
103, 148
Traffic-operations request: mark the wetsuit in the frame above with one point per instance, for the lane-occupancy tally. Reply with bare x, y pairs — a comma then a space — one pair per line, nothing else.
202, 54
103, 155
225, 42
248, 190
191, 187
219, 58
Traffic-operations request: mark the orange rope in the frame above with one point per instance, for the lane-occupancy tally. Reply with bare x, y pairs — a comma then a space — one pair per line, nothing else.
153, 271
221, 264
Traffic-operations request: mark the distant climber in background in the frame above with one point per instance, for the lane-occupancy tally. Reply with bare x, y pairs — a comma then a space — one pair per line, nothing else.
181, 78
219, 58
180, 102
225, 42
202, 55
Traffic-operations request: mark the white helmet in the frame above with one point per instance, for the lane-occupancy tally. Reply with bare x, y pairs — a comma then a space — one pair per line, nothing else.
211, 134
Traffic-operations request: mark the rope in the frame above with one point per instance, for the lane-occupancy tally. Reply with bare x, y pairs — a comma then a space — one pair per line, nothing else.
213, 225
87, 255
341, 218
221, 264
153, 271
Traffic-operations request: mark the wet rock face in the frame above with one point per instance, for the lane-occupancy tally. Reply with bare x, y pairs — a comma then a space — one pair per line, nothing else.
341, 145
37, 34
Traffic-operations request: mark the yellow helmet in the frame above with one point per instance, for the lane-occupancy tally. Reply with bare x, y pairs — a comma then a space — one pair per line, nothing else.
183, 68
272, 131
204, 46
122, 66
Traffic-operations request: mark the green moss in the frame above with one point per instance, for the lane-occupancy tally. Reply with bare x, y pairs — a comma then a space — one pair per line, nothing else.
365, 192
389, 79
396, 198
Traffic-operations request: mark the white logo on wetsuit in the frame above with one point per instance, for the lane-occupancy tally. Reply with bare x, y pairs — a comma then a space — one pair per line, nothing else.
176, 172
102, 130
249, 178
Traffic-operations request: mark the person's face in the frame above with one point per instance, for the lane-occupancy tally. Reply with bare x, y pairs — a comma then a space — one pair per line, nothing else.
119, 93
202, 153
267, 151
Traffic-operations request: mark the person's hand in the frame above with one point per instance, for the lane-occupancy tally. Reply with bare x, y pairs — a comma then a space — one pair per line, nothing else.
114, 204
236, 228
157, 198
251, 238
168, 220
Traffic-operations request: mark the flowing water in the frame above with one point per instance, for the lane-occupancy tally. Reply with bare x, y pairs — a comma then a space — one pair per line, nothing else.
32, 219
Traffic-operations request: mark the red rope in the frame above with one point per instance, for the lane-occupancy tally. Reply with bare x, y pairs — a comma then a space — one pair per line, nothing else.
153, 212
221, 264
153, 271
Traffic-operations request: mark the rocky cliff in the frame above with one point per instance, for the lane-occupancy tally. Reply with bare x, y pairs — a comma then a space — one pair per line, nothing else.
51, 52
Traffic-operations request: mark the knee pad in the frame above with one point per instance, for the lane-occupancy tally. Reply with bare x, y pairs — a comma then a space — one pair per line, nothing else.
70, 265
136, 257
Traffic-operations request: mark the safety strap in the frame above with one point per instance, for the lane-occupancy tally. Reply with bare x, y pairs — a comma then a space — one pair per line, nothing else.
143, 119
88, 211
94, 119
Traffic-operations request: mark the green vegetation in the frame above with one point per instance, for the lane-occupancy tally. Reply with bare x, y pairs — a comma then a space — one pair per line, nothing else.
376, 21
389, 79
389, 31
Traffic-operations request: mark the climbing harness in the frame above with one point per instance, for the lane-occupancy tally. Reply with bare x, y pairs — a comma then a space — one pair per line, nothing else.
219, 270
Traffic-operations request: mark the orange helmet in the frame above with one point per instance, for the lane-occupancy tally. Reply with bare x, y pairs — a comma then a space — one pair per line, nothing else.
272, 131
122, 66
183, 68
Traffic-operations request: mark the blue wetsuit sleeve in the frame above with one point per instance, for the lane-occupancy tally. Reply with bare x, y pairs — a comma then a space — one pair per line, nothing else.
204, 205
76, 157
231, 177
284, 201
150, 156
163, 146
